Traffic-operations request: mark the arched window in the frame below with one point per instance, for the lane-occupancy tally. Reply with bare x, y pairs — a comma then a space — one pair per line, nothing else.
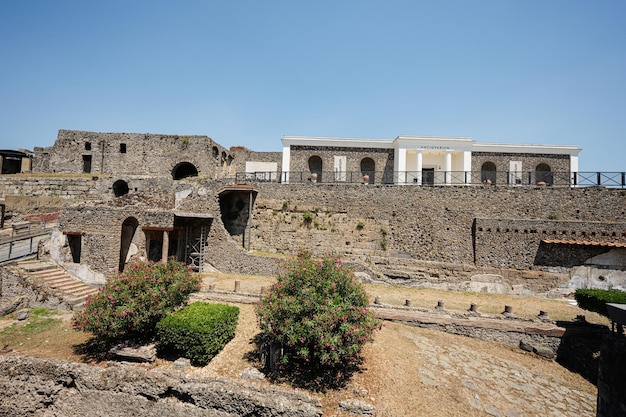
315, 167
120, 188
543, 173
368, 167
184, 170
488, 173
216, 152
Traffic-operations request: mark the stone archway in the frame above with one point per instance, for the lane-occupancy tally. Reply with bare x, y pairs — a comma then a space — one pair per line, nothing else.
315, 167
129, 227
488, 173
368, 167
184, 170
543, 173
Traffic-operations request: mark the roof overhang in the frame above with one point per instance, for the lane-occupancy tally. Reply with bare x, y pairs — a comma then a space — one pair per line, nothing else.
585, 243
532, 149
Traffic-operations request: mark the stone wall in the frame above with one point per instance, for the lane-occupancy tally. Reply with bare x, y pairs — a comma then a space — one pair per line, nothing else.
132, 154
501, 242
30, 386
242, 155
427, 223
557, 163
100, 229
482, 227
383, 160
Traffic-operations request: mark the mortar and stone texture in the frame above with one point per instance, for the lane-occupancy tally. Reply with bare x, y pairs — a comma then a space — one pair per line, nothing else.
31, 386
131, 154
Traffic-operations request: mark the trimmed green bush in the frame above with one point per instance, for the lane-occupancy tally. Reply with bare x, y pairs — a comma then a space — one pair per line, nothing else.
318, 312
595, 299
198, 332
131, 303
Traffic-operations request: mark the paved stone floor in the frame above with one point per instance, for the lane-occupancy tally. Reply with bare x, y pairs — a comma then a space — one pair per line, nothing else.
498, 387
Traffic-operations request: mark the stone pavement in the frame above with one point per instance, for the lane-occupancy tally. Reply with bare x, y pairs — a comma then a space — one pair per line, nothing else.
498, 387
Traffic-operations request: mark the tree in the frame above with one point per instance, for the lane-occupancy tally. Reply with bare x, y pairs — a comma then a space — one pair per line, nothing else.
318, 312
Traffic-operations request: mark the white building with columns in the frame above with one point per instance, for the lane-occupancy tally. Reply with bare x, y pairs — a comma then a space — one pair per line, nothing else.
426, 160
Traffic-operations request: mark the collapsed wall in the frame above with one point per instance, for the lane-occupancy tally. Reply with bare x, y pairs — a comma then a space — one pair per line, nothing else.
30, 386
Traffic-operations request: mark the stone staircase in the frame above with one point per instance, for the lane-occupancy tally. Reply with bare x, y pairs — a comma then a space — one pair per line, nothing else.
72, 290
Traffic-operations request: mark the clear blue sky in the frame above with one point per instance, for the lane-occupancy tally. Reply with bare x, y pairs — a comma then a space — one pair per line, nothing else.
248, 72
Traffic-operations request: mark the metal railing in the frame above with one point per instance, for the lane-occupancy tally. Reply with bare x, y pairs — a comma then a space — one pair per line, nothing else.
23, 240
437, 178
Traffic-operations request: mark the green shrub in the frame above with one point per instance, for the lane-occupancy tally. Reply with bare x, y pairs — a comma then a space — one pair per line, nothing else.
199, 331
360, 225
131, 303
595, 299
318, 312
308, 217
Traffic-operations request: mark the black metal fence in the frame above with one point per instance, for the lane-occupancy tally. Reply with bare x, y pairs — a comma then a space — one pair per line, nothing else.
437, 178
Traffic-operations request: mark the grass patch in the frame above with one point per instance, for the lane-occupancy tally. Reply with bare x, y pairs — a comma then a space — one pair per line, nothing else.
39, 321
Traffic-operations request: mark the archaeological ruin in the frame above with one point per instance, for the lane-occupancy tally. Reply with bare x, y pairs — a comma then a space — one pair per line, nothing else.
444, 212
433, 212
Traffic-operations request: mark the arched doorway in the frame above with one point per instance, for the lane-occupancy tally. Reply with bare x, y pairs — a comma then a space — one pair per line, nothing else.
368, 167
543, 173
120, 188
184, 170
315, 167
129, 226
488, 173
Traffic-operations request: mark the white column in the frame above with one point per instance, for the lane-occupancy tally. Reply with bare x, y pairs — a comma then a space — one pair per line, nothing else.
573, 168
448, 167
286, 163
467, 166
418, 167
400, 163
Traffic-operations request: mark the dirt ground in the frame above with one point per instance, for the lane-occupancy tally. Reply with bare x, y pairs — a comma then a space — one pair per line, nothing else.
406, 372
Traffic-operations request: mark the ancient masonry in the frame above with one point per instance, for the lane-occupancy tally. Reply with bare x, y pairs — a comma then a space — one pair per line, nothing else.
126, 196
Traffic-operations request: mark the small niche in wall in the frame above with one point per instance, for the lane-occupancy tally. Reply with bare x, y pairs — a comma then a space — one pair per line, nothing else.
122, 148
120, 188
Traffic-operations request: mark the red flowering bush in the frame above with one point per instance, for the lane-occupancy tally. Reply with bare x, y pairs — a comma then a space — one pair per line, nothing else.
318, 312
131, 303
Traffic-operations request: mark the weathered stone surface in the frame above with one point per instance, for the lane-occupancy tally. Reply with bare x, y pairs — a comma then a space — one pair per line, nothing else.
252, 373
12, 304
357, 407
22, 314
30, 386
525, 346
544, 352
181, 364
146, 353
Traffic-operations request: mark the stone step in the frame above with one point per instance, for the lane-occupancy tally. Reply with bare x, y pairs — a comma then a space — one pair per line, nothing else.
35, 265
49, 274
72, 290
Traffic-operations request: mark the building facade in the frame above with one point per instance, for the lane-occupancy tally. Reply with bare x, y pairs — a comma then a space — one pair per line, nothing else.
425, 160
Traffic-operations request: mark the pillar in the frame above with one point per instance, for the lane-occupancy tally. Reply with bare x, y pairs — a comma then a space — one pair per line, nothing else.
419, 167
166, 246
400, 163
286, 163
448, 167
